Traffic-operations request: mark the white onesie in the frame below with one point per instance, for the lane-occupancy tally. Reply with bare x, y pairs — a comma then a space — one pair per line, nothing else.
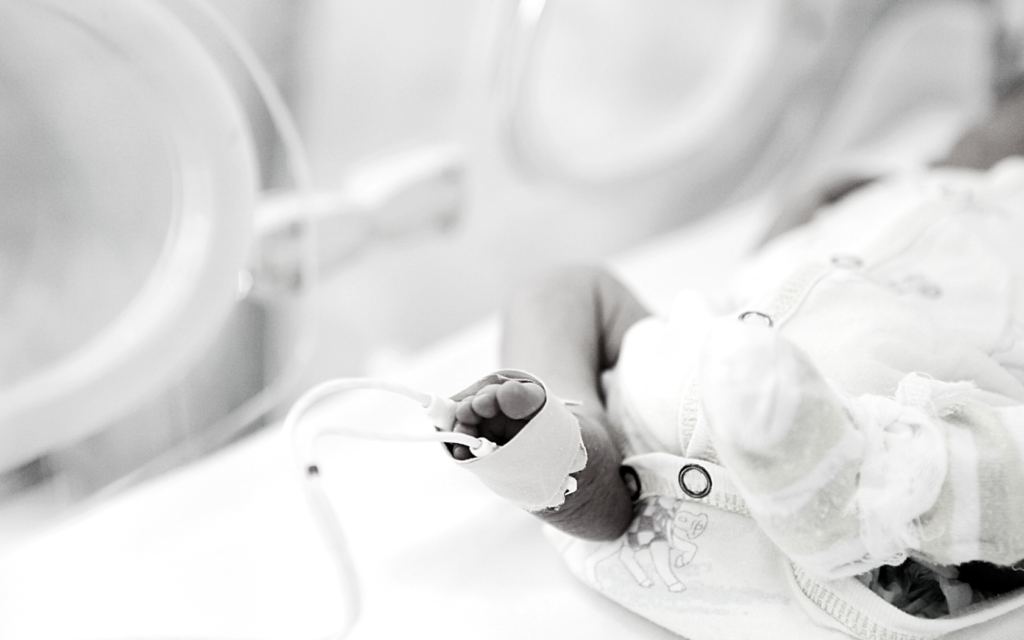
909, 286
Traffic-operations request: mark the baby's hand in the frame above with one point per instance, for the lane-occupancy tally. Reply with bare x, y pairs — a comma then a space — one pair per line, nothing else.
496, 412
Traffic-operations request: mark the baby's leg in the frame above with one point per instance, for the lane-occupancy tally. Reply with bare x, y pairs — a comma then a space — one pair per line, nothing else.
496, 412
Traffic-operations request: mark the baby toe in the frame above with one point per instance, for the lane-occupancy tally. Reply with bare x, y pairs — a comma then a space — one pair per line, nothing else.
485, 402
519, 400
464, 412
461, 451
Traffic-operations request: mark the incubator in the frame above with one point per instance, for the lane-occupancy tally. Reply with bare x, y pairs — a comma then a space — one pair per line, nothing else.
140, 255
144, 256
129, 184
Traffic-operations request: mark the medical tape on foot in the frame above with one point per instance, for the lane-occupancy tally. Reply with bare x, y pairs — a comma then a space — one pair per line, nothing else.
533, 469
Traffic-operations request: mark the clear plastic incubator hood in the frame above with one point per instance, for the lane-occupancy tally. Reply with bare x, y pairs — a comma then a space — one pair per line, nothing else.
127, 185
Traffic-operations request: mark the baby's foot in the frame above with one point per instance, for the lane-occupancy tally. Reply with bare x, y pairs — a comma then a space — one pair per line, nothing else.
496, 412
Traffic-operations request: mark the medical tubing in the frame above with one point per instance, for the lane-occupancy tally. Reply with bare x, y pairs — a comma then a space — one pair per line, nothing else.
329, 526
441, 412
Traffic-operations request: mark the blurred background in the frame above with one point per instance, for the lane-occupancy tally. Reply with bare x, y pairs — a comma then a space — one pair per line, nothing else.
450, 149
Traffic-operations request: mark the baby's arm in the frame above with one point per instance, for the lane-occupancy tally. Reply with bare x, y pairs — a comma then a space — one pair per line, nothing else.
844, 484
566, 330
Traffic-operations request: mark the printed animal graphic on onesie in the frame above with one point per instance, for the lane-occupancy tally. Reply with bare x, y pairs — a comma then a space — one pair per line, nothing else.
665, 531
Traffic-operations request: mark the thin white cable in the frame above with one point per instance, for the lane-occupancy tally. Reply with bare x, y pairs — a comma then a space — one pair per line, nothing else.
441, 412
329, 526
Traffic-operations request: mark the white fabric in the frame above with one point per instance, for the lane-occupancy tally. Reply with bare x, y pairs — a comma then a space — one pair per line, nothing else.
705, 570
645, 398
866, 330
905, 464
896, 295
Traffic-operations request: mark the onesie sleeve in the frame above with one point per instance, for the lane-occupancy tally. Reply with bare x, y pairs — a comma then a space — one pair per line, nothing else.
979, 514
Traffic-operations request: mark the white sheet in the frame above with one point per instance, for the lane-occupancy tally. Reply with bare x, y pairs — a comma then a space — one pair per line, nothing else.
225, 548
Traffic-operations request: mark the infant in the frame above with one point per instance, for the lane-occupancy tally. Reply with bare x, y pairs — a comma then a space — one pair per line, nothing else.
858, 394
